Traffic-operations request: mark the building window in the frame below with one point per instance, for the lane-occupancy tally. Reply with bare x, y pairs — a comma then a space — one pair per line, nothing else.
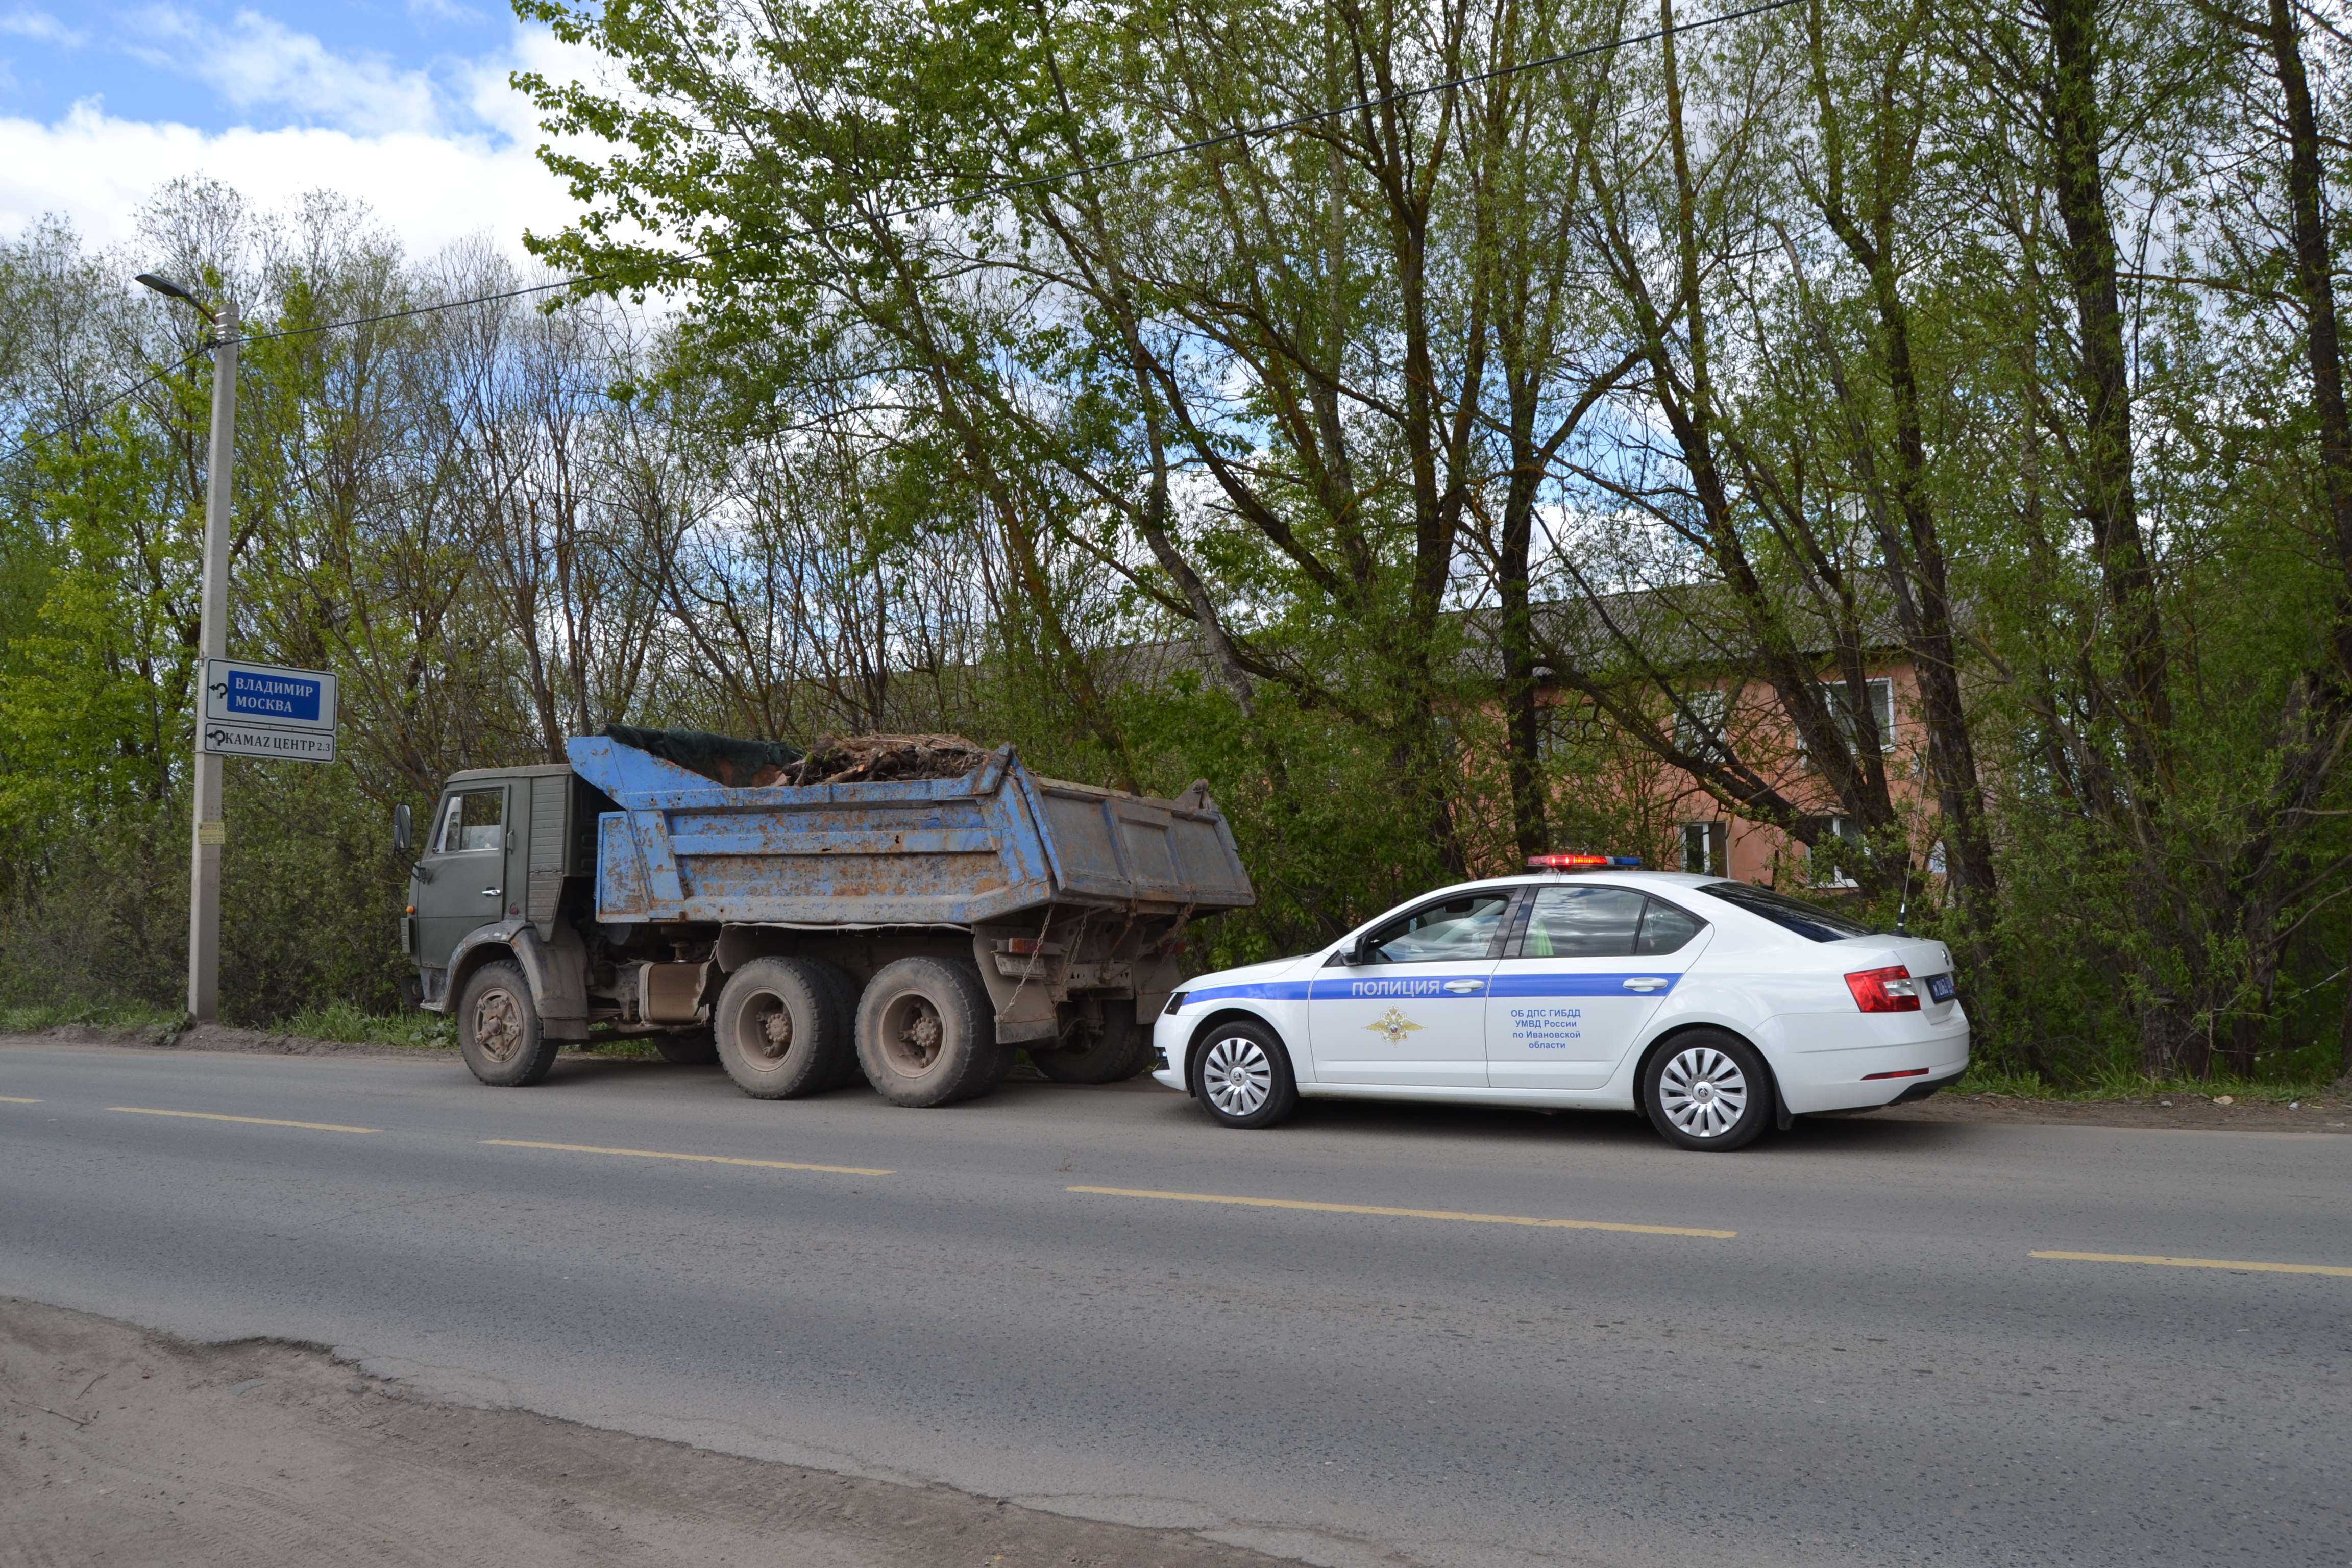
1882, 709
1706, 848
1698, 722
1565, 726
1837, 849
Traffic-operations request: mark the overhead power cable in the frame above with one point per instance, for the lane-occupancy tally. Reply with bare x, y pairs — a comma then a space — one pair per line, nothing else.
128, 392
1013, 187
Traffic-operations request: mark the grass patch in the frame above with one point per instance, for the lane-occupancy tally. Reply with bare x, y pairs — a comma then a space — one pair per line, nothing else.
598, 1043
135, 1019
343, 1021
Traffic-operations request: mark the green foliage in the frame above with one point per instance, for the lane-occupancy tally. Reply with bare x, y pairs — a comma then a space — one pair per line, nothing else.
1396, 473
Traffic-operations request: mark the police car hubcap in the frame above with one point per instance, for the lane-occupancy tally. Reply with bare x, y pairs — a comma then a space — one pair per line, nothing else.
1237, 1076
1703, 1092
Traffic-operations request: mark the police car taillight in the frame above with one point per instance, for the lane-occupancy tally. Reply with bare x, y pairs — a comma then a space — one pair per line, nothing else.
1885, 990
1580, 862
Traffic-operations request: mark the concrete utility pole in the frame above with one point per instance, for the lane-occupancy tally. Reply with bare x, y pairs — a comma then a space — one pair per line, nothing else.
211, 835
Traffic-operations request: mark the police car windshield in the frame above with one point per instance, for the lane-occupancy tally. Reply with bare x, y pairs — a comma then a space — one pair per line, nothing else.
1808, 920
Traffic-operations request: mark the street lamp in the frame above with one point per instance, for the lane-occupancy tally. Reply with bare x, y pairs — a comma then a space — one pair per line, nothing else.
204, 871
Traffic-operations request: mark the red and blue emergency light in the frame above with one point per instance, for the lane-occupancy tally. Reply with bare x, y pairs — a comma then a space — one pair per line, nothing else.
1581, 862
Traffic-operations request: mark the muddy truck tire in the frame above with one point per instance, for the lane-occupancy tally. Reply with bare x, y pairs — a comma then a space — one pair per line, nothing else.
784, 1028
847, 1068
692, 1048
926, 1033
1114, 1055
498, 1030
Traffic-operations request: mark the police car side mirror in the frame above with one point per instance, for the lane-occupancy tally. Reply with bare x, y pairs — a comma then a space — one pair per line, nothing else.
1353, 953
400, 829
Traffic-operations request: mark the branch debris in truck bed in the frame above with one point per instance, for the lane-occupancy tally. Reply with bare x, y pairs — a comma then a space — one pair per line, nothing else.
876, 759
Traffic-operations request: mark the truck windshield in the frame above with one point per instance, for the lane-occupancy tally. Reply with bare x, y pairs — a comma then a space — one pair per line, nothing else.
471, 821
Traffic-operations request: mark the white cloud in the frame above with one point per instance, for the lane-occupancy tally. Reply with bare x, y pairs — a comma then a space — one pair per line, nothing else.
95, 170
25, 23
256, 63
433, 163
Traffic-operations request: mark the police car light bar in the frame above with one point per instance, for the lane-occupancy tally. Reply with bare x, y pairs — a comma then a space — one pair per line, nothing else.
1580, 862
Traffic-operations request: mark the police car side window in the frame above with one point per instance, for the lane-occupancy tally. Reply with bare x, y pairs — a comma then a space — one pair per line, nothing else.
1665, 929
1582, 921
1455, 930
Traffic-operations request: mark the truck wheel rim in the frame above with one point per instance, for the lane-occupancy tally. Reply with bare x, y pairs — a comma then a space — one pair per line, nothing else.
1238, 1075
1703, 1092
766, 1031
498, 1025
913, 1034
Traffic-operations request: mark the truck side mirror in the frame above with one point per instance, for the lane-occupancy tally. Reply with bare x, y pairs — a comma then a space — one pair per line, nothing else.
399, 828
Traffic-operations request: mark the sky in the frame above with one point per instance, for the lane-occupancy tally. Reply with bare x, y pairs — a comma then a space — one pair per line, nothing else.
399, 104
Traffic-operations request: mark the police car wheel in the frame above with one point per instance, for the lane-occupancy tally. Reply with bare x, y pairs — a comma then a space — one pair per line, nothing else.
1241, 1077
1707, 1089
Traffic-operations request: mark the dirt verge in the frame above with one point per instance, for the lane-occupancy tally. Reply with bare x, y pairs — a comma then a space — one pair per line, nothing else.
118, 1445
2331, 1112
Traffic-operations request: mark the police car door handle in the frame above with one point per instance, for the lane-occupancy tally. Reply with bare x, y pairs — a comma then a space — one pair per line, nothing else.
490, 892
1460, 987
1645, 983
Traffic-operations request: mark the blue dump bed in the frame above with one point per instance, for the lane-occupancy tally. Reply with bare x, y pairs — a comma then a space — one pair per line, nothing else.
998, 841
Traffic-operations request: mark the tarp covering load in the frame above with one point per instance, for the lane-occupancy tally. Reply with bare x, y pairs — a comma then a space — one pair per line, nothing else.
737, 763
875, 758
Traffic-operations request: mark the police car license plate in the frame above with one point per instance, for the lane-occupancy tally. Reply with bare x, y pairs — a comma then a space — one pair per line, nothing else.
1939, 987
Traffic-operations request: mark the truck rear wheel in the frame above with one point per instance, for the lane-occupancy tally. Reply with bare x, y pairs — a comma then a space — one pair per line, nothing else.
692, 1047
783, 1030
847, 1069
1113, 1056
927, 1033
498, 1028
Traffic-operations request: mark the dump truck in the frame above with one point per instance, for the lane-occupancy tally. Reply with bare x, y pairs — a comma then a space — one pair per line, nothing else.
917, 932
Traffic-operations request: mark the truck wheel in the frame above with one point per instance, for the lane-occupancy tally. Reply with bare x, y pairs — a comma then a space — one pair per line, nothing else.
498, 1030
692, 1048
846, 1069
1113, 1056
926, 1033
781, 1028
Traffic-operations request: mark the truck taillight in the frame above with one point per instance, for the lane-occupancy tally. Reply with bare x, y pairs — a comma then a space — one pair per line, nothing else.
1885, 990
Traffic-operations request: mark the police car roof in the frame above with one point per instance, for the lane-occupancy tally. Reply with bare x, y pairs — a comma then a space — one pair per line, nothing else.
1613, 874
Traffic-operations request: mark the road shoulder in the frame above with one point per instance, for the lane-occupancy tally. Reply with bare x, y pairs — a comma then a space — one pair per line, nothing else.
133, 1447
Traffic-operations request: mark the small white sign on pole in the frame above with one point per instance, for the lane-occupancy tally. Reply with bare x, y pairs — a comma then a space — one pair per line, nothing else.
267, 710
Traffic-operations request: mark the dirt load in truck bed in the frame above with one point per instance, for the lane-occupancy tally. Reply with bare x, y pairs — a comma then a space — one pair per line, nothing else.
877, 759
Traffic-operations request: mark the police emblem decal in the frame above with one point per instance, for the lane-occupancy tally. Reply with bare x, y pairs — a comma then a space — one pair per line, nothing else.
1394, 1024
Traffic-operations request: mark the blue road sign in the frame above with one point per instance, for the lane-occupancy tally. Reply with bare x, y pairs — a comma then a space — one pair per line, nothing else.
268, 710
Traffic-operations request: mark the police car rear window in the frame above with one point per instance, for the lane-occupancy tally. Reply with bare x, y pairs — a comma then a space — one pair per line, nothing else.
1809, 921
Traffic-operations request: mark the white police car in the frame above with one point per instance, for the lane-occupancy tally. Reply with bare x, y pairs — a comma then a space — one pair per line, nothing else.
1716, 1007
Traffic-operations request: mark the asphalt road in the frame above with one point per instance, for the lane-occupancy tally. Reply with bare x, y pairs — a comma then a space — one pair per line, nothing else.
1875, 1368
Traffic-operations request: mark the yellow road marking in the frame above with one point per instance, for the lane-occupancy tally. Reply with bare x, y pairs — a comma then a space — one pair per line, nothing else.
254, 1120
11, 1100
2199, 1263
1409, 1214
700, 1159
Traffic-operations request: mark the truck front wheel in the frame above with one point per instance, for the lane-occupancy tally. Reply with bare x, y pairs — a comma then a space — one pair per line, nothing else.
927, 1033
498, 1028
783, 1028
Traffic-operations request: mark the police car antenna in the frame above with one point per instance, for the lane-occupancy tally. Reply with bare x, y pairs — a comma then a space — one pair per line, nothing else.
1902, 909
